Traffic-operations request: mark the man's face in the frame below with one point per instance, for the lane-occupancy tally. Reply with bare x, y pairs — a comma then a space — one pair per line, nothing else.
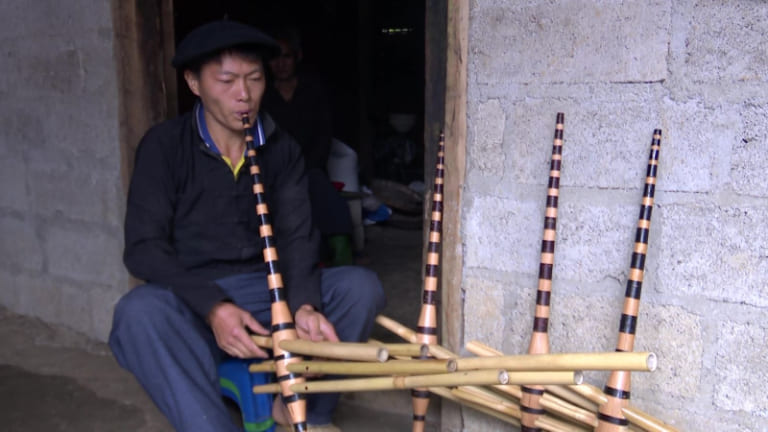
284, 66
229, 88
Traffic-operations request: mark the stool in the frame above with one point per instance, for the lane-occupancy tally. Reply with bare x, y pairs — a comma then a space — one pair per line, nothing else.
236, 383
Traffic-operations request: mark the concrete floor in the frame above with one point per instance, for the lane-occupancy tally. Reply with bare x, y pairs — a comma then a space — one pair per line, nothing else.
55, 380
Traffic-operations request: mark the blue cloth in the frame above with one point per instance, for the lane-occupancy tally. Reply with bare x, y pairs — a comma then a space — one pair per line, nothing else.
174, 356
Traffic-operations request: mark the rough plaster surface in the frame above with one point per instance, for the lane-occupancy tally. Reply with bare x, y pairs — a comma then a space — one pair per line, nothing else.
749, 159
714, 252
740, 345
61, 205
487, 155
571, 41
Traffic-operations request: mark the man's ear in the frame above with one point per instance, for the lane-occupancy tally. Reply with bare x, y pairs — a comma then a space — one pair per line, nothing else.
193, 81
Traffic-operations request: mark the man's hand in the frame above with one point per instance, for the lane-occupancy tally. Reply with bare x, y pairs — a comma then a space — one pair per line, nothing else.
312, 325
229, 324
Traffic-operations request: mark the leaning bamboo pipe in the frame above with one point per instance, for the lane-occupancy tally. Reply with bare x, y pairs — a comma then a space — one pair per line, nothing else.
633, 414
634, 361
409, 335
478, 377
539, 344
427, 328
392, 367
403, 349
336, 350
500, 403
283, 327
447, 394
565, 408
617, 389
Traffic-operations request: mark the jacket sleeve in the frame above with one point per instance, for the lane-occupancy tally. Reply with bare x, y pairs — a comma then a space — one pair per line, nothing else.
149, 253
297, 239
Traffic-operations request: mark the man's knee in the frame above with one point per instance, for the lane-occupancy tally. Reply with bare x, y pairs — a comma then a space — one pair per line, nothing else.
362, 287
140, 313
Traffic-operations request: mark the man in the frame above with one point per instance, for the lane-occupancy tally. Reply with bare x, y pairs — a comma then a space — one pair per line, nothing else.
191, 233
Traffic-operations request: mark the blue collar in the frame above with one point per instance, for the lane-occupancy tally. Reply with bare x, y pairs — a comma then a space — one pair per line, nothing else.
202, 129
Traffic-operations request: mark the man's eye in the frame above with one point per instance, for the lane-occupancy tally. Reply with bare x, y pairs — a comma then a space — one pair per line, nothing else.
226, 81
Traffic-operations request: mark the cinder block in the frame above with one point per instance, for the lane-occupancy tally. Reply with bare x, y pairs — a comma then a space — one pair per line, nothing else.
19, 18
725, 42
486, 154
748, 156
92, 195
694, 142
20, 247
484, 311
714, 252
84, 255
594, 241
676, 336
571, 41
498, 234
740, 367
606, 145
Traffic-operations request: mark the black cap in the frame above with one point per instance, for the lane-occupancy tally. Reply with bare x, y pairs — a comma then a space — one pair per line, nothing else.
218, 36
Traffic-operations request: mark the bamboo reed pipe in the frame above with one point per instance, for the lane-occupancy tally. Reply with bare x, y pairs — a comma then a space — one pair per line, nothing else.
262, 341
266, 388
336, 350
397, 328
404, 382
552, 424
446, 394
403, 349
634, 361
266, 366
497, 404
391, 367
646, 422
549, 402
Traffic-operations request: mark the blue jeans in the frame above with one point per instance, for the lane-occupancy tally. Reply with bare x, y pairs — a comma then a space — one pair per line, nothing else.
172, 352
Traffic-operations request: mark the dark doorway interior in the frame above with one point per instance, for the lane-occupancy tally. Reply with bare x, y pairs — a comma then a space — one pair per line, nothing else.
371, 54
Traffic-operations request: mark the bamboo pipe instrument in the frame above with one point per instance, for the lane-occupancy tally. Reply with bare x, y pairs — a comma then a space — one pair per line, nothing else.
336, 350
283, 327
447, 394
635, 361
611, 417
392, 367
409, 335
549, 402
539, 344
393, 349
633, 414
265, 366
427, 325
478, 377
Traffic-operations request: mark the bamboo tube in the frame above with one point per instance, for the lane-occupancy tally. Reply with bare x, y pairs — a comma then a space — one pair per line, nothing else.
480, 349
397, 328
617, 388
552, 424
404, 382
547, 401
489, 401
262, 341
266, 366
445, 393
336, 350
646, 422
391, 367
403, 349
566, 393
634, 361
283, 327
266, 388
590, 392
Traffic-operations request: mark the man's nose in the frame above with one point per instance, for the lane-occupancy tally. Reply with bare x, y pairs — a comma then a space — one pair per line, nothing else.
244, 92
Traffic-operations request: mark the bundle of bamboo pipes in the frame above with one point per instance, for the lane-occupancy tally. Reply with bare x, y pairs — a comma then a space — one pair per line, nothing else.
535, 391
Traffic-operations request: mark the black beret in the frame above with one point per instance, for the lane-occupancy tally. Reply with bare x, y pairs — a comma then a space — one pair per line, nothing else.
217, 36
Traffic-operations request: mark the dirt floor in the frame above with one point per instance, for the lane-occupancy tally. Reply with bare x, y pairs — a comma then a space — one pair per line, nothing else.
55, 380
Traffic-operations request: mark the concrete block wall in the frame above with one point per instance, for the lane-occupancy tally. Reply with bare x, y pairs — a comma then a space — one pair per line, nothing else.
698, 70
61, 198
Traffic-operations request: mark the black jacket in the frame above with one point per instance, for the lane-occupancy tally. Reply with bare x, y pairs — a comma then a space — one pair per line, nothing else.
189, 222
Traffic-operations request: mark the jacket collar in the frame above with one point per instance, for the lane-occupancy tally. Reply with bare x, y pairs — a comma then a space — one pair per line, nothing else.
262, 129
